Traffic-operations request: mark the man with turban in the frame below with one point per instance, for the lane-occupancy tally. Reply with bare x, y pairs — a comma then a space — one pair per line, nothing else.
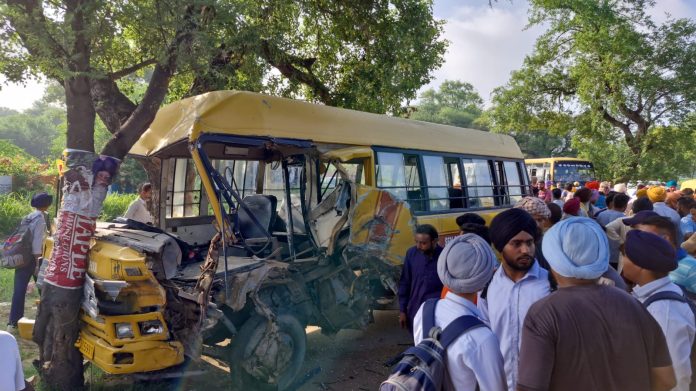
657, 196
465, 266
588, 336
38, 227
419, 281
648, 259
517, 284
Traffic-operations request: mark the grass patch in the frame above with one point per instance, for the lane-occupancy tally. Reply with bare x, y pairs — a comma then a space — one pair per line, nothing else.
116, 205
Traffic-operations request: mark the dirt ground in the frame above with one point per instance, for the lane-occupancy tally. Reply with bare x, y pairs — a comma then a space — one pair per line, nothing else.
352, 359
349, 360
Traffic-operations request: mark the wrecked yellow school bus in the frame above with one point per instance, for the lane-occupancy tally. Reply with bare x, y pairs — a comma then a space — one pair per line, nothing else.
317, 205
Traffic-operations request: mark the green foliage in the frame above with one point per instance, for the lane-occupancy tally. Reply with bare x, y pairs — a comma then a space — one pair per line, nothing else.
607, 75
454, 103
28, 175
13, 207
116, 205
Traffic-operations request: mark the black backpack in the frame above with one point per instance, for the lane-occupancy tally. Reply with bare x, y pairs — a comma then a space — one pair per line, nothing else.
667, 295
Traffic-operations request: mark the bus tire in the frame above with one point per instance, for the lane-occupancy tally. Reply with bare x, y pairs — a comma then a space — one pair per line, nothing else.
251, 334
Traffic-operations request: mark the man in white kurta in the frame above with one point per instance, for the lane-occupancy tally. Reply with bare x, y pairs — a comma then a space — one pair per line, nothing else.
137, 210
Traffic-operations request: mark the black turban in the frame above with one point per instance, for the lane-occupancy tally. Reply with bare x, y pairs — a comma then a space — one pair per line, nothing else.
41, 200
509, 223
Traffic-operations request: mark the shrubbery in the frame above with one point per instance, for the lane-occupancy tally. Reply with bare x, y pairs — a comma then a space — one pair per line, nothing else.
14, 206
115, 205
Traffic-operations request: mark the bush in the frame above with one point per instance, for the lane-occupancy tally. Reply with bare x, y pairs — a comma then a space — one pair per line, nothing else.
115, 205
13, 207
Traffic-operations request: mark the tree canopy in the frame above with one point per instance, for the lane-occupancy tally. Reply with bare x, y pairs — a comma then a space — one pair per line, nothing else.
127, 57
453, 103
611, 77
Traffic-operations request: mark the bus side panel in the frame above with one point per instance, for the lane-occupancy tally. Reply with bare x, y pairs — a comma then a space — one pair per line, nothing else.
381, 225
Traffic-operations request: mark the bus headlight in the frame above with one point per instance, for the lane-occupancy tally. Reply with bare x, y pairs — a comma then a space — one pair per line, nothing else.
150, 327
123, 330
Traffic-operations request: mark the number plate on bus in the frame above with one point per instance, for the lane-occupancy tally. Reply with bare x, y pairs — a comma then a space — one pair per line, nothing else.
86, 348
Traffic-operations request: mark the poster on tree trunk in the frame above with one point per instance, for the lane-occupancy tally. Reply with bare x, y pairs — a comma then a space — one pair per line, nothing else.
86, 180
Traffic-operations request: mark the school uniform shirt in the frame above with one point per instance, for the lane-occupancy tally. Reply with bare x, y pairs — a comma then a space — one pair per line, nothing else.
419, 281
663, 210
677, 323
685, 273
37, 227
504, 308
12, 374
687, 224
137, 210
473, 358
607, 216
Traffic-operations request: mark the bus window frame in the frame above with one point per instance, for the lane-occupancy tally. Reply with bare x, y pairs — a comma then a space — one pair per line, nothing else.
424, 185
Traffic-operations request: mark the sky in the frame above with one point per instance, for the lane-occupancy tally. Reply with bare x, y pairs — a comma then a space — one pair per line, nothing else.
486, 44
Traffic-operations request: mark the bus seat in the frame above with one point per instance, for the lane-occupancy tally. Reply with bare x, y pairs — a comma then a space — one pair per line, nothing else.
456, 198
263, 207
415, 200
296, 210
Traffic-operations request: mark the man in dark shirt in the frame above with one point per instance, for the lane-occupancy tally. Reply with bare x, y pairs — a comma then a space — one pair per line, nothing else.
419, 279
587, 336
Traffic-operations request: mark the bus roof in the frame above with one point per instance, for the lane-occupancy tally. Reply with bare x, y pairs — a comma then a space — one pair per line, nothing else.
250, 114
555, 159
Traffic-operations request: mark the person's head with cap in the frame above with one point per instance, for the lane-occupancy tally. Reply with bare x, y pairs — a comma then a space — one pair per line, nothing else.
672, 198
584, 194
592, 185
556, 213
537, 208
572, 206
647, 257
641, 204
660, 226
657, 194
604, 188
620, 188
642, 193
41, 201
471, 223
577, 249
514, 234
466, 264
671, 184
639, 217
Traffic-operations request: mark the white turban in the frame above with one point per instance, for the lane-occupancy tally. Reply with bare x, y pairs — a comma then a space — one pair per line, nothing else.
620, 188
466, 264
577, 247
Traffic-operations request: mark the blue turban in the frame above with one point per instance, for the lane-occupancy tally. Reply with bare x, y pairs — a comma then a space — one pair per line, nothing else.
466, 264
577, 248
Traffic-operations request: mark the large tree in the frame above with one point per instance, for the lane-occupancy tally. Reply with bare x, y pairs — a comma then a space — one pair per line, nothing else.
603, 70
119, 60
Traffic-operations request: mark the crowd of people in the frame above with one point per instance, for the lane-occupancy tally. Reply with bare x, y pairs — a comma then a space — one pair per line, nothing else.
581, 287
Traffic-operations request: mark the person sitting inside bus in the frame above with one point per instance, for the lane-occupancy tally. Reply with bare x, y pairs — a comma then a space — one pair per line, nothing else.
138, 210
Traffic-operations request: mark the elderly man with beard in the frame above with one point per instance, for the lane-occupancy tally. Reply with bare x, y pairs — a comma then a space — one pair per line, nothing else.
517, 284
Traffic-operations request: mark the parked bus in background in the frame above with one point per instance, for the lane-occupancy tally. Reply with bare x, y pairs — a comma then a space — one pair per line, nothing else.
318, 205
560, 170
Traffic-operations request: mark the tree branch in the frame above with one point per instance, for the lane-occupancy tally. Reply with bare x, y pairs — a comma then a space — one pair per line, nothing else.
138, 121
127, 71
628, 136
288, 64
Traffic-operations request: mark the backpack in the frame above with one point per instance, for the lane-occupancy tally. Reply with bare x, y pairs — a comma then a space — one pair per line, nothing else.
16, 250
422, 367
666, 295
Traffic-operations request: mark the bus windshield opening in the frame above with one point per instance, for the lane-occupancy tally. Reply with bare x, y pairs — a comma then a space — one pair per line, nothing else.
572, 171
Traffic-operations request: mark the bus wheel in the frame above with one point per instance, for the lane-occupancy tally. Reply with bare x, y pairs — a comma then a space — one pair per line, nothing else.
264, 357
